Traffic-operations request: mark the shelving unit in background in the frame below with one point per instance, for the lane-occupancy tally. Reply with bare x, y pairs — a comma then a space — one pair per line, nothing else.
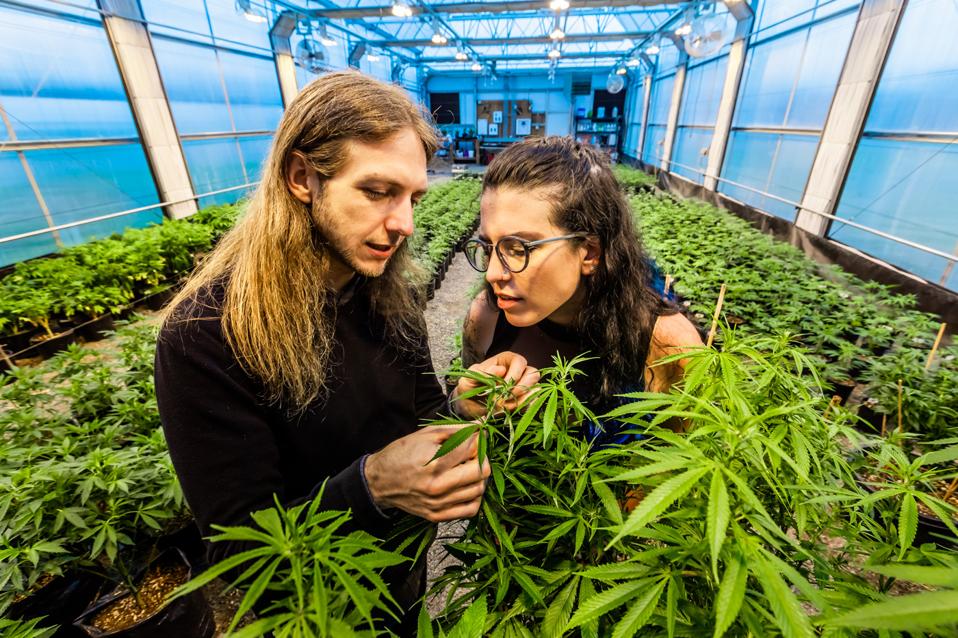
603, 132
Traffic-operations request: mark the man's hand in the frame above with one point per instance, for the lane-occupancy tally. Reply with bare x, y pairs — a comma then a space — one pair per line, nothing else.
508, 365
446, 489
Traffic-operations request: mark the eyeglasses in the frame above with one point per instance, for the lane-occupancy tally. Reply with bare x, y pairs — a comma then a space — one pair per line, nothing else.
513, 252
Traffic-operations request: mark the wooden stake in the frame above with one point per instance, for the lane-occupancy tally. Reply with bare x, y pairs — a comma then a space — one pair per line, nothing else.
934, 348
6, 358
668, 284
831, 404
899, 405
884, 424
715, 317
951, 489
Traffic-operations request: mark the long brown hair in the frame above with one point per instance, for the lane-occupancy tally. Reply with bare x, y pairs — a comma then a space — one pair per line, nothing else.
620, 308
278, 316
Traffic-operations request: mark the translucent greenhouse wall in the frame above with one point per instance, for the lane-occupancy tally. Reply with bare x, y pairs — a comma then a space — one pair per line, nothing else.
902, 177
67, 90
69, 145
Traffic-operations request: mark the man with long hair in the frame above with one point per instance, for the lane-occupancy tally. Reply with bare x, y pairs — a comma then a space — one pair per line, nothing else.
297, 353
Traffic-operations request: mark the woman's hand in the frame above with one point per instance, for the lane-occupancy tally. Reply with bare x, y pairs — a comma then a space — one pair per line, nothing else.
449, 488
507, 365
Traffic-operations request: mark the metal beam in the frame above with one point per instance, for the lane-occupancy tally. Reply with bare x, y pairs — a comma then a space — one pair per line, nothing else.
510, 6
525, 56
544, 39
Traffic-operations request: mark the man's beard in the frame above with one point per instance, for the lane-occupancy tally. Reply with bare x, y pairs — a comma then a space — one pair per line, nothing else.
327, 235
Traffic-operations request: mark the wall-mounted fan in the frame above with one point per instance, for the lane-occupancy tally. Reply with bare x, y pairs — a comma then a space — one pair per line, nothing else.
710, 32
614, 83
311, 55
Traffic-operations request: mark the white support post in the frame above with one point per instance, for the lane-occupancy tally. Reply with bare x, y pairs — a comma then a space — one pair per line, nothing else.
871, 42
130, 40
677, 89
646, 101
283, 55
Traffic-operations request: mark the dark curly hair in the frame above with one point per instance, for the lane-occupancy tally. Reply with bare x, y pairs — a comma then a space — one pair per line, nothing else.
620, 309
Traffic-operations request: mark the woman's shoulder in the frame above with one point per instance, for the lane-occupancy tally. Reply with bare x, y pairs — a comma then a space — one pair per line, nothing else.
672, 334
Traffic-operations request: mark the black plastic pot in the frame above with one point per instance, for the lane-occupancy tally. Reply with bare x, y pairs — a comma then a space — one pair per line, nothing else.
188, 540
930, 529
49, 347
430, 290
158, 300
872, 420
187, 617
96, 329
61, 601
17, 341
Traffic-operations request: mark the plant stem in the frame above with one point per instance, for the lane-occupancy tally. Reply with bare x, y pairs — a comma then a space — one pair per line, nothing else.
835, 399
715, 317
934, 348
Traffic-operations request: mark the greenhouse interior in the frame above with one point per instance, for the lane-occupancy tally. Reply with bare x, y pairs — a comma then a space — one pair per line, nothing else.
514, 318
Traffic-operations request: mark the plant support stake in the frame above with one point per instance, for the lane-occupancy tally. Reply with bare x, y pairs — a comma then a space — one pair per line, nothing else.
668, 284
899, 405
934, 348
715, 317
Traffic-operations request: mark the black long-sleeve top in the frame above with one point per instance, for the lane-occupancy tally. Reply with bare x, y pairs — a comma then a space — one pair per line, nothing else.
232, 451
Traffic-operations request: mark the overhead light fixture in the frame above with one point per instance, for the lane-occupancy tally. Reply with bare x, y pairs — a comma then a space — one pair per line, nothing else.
476, 67
559, 5
621, 70
439, 38
557, 34
324, 37
653, 49
373, 57
685, 29
555, 54
633, 62
401, 10
461, 55
250, 12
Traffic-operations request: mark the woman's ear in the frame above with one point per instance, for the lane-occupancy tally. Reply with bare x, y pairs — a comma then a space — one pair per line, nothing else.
592, 256
297, 178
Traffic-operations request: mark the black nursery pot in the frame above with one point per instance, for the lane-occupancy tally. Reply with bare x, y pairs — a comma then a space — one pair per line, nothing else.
844, 390
61, 601
931, 530
97, 329
186, 617
49, 347
17, 341
159, 299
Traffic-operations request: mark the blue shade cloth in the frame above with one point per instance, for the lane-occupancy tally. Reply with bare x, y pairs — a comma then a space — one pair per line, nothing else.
654, 144
187, 18
773, 17
20, 213
703, 92
771, 163
254, 151
234, 29
790, 81
661, 100
918, 90
213, 165
253, 90
191, 76
907, 189
67, 88
691, 148
80, 183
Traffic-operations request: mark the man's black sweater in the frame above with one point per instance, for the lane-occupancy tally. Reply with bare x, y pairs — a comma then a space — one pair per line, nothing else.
232, 450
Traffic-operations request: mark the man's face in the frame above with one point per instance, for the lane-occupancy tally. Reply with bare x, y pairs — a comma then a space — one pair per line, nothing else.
365, 211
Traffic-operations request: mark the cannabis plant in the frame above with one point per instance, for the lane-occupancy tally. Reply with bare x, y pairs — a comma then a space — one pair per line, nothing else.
303, 576
728, 522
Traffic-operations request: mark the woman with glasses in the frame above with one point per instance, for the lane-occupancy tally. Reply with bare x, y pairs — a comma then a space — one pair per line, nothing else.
566, 274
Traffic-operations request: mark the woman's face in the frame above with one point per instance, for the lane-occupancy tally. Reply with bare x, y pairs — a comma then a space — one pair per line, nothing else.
551, 286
